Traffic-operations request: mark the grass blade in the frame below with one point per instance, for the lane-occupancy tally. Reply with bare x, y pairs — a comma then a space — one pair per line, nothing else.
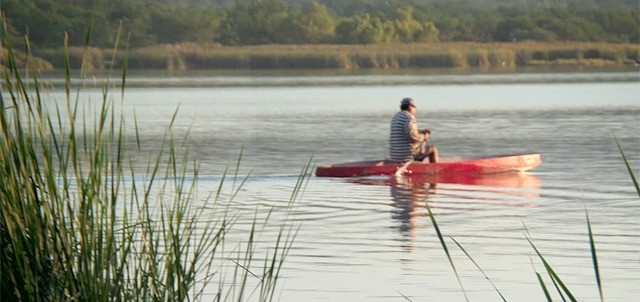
544, 288
552, 273
478, 266
446, 250
594, 257
626, 162
72, 227
405, 297
302, 182
125, 67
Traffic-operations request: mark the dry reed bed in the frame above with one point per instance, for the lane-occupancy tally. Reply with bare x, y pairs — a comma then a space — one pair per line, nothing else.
439, 55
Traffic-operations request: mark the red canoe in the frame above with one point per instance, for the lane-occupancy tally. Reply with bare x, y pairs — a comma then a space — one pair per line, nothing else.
446, 166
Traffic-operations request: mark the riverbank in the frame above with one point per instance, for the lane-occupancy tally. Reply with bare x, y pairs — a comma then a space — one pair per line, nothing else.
435, 55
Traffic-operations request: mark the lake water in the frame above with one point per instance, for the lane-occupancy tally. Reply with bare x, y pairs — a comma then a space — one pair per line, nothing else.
371, 239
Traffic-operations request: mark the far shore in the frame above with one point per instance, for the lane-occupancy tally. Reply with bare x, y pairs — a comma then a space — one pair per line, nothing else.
461, 55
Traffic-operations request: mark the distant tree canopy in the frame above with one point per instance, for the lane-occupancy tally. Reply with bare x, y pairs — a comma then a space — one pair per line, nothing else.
251, 22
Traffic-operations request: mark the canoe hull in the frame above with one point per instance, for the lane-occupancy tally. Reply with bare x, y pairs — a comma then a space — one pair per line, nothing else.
477, 165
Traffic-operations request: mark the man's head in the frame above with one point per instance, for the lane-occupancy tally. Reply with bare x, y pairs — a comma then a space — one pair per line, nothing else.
407, 103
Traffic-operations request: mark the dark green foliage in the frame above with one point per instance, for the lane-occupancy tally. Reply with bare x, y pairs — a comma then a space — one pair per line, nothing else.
260, 22
629, 168
252, 22
175, 24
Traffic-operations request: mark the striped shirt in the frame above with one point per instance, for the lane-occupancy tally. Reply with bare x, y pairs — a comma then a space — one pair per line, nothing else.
405, 141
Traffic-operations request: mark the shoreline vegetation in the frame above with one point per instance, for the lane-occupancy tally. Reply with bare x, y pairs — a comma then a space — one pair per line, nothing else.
193, 56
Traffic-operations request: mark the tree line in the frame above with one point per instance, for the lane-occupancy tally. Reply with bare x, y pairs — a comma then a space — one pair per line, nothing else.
257, 22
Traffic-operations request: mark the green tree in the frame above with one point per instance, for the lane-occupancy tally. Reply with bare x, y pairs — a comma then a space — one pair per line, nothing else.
407, 28
135, 18
46, 21
430, 33
390, 34
174, 24
565, 30
316, 25
484, 28
260, 22
521, 28
449, 29
619, 24
361, 29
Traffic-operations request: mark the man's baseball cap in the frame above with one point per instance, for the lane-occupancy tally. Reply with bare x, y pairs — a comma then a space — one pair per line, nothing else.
408, 102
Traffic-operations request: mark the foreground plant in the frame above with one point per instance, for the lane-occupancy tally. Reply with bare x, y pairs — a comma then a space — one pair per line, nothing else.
79, 223
632, 175
561, 288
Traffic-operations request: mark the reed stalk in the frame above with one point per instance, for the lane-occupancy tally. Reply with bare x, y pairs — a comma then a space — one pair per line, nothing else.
558, 284
632, 175
191, 56
554, 276
544, 288
480, 269
594, 257
446, 250
79, 223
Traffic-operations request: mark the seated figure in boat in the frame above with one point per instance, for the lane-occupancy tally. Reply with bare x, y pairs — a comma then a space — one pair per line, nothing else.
406, 142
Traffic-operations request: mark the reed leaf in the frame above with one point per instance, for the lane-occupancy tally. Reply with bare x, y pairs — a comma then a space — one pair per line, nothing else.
594, 257
301, 184
283, 246
544, 287
125, 66
444, 247
77, 222
556, 286
404, 296
554, 276
479, 268
626, 162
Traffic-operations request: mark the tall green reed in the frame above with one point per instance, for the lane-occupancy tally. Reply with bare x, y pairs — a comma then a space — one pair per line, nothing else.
79, 222
562, 289
632, 175
444, 247
560, 286
594, 257
480, 269
557, 281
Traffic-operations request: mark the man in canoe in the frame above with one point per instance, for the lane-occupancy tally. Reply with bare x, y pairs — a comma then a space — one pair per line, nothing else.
406, 142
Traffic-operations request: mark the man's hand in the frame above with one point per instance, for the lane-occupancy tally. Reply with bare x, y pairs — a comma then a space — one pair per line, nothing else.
426, 131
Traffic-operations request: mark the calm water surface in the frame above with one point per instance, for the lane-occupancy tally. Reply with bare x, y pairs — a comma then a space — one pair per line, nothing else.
371, 239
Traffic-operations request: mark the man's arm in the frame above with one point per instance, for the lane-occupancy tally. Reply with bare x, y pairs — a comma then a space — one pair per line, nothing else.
414, 133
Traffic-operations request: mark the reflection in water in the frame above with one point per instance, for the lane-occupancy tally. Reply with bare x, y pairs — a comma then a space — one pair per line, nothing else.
409, 193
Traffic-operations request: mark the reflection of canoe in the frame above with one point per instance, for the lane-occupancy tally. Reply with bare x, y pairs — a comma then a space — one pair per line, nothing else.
450, 166
507, 180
